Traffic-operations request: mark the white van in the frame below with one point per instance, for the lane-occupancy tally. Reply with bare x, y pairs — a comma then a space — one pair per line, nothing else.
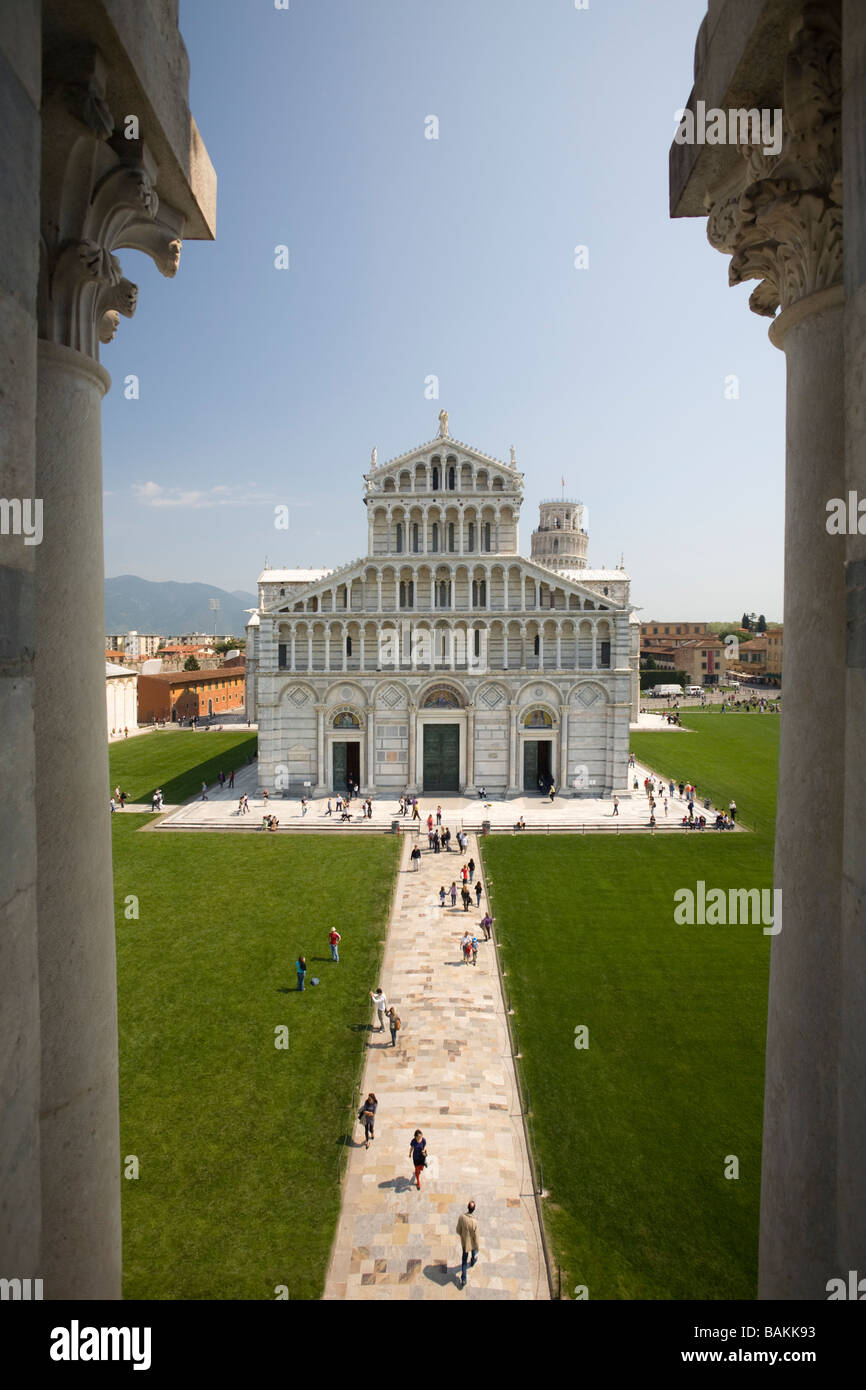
694, 690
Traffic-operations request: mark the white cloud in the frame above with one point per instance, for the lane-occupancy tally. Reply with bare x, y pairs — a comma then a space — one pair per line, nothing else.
152, 494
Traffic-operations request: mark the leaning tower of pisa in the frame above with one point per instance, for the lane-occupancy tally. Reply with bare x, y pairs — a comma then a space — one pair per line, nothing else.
560, 540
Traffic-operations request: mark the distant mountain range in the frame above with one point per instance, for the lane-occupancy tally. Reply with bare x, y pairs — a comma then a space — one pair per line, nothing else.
170, 608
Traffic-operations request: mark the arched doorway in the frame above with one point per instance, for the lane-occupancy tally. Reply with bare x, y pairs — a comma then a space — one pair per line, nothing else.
441, 740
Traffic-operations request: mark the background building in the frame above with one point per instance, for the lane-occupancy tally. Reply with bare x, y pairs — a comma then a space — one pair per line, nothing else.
121, 698
173, 695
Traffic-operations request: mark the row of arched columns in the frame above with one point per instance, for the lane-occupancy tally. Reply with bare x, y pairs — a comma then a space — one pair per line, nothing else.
442, 474
381, 589
511, 644
432, 528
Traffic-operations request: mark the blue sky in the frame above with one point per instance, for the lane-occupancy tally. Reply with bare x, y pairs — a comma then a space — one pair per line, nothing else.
453, 257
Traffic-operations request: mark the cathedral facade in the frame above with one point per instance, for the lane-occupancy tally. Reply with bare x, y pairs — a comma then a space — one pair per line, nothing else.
443, 662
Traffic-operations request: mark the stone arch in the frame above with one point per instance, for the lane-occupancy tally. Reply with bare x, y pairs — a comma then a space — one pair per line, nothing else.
452, 687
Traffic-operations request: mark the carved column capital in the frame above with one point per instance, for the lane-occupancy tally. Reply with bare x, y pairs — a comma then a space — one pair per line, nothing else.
779, 217
99, 195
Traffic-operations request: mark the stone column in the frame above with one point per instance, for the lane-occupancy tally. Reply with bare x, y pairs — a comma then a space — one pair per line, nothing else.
782, 224
558, 647
469, 789
361, 646
504, 647
371, 752
514, 788
378, 591
413, 771
320, 788
327, 646
309, 648
563, 748
292, 651
594, 629
98, 194
20, 1215
852, 1069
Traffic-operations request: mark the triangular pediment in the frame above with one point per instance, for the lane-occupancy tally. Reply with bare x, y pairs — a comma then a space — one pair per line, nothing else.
444, 445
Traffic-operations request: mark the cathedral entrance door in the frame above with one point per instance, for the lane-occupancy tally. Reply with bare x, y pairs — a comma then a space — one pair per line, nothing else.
537, 762
441, 757
347, 765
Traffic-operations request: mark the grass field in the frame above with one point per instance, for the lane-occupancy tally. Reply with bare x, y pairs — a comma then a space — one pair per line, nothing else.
238, 1142
635, 1131
178, 761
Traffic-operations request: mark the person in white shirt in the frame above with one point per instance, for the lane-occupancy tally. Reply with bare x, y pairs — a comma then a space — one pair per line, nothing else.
379, 998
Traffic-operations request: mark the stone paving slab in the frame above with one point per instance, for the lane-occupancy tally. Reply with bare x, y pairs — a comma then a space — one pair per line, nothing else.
450, 1075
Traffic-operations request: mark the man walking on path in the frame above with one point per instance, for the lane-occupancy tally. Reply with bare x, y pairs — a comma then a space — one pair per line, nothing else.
487, 923
232, 778
471, 867
416, 858
335, 938
478, 891
467, 1230
416, 814
467, 898
380, 999
453, 893
204, 791
395, 1024
732, 809
616, 805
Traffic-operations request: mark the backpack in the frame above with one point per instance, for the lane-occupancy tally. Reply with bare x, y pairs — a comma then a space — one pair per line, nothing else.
397, 1023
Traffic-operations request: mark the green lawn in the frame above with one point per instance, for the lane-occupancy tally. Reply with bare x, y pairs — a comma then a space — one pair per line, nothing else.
727, 753
239, 1143
178, 761
634, 1131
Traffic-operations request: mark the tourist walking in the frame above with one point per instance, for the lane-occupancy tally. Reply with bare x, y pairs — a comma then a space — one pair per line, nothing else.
487, 925
732, 809
416, 814
466, 896
552, 792
466, 947
379, 998
616, 805
231, 778
303, 805
442, 896
334, 939
394, 1024
478, 892
475, 950
471, 867
301, 967
446, 839
418, 1154
367, 1116
330, 809
453, 893
438, 815
415, 856
467, 1230
204, 791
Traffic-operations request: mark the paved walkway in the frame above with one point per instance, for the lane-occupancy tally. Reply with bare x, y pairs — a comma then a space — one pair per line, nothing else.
451, 1076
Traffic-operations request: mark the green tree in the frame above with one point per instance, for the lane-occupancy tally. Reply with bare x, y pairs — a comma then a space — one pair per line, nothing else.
744, 622
191, 664
762, 623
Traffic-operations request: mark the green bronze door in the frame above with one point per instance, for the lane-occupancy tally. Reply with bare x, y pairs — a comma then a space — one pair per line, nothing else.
339, 782
441, 757
530, 765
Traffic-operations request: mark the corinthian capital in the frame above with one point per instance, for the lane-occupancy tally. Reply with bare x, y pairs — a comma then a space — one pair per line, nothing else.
99, 195
780, 217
